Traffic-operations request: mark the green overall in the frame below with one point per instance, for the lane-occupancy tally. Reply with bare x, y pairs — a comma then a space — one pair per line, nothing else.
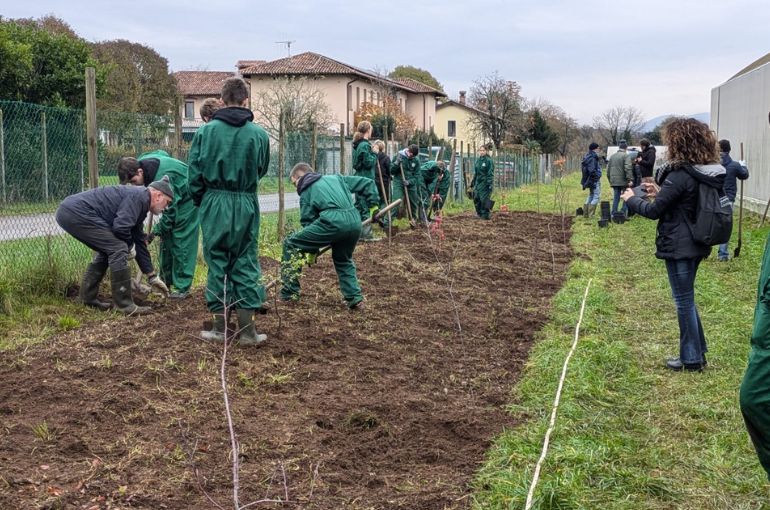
430, 179
226, 162
411, 171
483, 177
365, 164
178, 226
755, 389
329, 217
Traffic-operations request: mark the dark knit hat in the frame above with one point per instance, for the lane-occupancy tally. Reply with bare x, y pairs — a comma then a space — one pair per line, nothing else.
593, 146
724, 145
623, 144
163, 186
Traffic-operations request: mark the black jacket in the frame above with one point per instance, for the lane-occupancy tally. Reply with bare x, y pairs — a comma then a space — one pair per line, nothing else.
647, 162
592, 172
122, 209
384, 161
734, 171
674, 208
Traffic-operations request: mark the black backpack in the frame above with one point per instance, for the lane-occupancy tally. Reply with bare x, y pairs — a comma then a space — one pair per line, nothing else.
713, 216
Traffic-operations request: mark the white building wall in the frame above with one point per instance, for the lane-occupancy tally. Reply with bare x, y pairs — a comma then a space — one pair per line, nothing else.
740, 112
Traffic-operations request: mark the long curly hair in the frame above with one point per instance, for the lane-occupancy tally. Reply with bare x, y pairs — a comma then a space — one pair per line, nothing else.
690, 141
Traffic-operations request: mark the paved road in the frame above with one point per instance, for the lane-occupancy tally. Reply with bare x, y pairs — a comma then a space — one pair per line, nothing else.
39, 225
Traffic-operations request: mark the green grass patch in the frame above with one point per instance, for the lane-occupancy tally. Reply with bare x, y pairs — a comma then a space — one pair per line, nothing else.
630, 434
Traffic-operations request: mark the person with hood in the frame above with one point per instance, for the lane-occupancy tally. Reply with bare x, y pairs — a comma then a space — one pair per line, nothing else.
694, 161
435, 180
592, 176
735, 170
228, 156
755, 387
620, 173
481, 184
646, 160
178, 227
405, 172
329, 218
365, 165
110, 221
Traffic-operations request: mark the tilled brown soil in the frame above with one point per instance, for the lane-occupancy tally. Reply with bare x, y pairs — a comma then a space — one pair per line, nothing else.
392, 407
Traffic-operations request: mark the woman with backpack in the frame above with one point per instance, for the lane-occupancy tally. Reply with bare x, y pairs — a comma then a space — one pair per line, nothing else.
693, 161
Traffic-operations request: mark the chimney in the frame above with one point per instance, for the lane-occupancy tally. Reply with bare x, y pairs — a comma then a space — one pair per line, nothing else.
462, 97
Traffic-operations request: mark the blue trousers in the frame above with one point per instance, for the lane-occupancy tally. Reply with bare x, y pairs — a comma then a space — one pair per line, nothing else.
681, 276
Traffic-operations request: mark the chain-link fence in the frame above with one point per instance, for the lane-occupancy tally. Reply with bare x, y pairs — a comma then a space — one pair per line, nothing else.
43, 159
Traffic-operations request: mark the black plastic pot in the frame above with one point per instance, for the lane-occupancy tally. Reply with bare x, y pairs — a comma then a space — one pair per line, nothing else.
579, 211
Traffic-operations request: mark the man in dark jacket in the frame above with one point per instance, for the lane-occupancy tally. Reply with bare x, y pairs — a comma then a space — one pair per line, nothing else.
109, 220
646, 160
735, 170
592, 176
329, 217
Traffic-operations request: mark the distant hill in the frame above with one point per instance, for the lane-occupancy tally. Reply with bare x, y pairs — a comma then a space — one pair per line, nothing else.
654, 122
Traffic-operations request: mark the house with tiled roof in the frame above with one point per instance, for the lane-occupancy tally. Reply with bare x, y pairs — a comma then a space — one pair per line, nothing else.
347, 87
454, 121
195, 87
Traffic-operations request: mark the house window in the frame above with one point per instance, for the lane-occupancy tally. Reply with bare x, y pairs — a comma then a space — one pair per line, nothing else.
451, 128
189, 109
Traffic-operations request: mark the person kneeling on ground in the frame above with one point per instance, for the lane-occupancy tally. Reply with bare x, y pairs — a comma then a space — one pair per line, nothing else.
329, 217
435, 179
110, 221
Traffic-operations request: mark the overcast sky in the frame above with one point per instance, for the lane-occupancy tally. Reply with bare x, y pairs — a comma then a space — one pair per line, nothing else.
587, 56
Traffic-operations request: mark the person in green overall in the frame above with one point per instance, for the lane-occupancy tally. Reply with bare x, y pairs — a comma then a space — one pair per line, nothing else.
435, 180
405, 174
365, 165
755, 388
178, 227
329, 218
481, 185
228, 156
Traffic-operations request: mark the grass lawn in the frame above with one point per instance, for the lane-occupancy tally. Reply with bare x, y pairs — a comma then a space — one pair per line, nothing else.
630, 434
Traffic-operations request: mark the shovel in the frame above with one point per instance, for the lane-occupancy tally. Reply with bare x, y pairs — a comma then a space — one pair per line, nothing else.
737, 251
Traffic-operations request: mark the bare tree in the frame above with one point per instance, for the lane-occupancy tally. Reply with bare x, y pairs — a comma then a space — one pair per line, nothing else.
618, 123
302, 103
499, 102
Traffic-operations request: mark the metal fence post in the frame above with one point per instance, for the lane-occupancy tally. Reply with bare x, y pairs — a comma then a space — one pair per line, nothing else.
314, 147
93, 164
2, 158
281, 170
462, 174
45, 154
177, 127
342, 149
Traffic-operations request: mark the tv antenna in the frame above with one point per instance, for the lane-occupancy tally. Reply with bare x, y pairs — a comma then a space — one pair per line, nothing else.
288, 45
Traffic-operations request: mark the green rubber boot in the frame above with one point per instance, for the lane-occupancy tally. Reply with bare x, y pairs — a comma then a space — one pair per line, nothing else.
121, 294
89, 286
217, 331
248, 334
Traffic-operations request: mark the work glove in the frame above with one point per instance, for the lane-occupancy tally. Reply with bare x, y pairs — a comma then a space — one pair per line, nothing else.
406, 183
374, 211
311, 258
157, 284
132, 253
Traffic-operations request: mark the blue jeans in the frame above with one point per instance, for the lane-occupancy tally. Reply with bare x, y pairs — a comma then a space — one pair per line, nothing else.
594, 194
617, 191
681, 276
724, 253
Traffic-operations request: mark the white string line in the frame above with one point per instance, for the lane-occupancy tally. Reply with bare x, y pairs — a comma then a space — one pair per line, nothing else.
556, 402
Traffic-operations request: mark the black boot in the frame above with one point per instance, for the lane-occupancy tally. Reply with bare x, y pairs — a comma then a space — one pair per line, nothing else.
121, 293
89, 286
248, 334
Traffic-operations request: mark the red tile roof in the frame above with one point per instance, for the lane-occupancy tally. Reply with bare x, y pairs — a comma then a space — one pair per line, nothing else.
201, 83
310, 63
418, 86
243, 64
